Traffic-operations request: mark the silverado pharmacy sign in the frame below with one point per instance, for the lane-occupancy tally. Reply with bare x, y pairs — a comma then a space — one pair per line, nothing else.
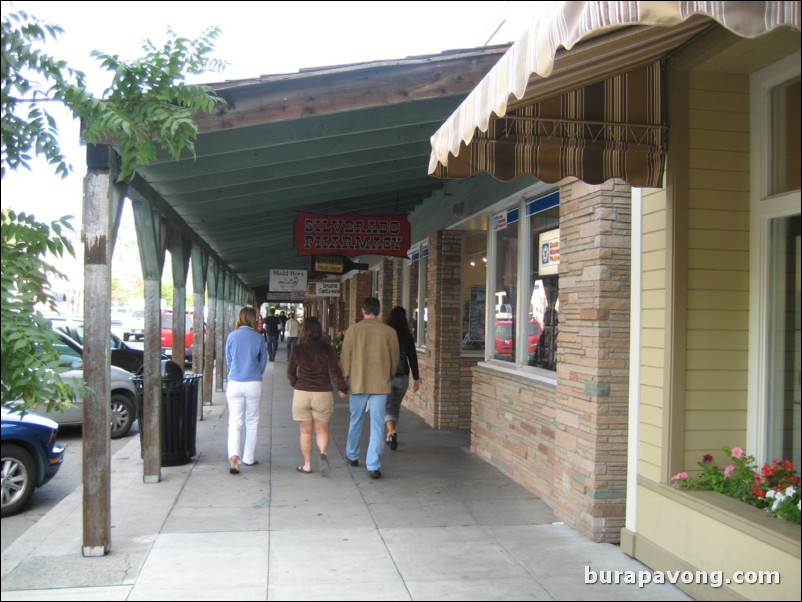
351, 234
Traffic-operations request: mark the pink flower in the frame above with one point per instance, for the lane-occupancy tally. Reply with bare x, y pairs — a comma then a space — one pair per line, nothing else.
680, 476
729, 470
737, 453
707, 458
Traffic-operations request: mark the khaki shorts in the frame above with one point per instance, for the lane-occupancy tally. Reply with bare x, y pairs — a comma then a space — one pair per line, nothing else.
307, 405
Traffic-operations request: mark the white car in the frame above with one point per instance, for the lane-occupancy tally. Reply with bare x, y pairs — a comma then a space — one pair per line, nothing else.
123, 392
134, 325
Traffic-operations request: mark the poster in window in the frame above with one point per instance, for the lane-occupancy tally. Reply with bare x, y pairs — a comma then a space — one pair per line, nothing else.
549, 256
476, 314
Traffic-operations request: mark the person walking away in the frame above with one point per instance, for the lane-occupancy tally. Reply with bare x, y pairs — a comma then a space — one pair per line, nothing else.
369, 360
408, 362
291, 328
313, 371
283, 318
272, 327
246, 358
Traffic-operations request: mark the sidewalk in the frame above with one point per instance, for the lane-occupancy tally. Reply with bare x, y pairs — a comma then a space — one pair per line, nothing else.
440, 524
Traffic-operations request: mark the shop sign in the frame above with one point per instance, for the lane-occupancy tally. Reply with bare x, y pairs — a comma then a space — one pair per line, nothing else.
549, 253
327, 289
351, 234
287, 281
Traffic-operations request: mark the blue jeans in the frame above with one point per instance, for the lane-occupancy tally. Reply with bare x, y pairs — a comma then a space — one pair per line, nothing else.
375, 404
290, 343
272, 346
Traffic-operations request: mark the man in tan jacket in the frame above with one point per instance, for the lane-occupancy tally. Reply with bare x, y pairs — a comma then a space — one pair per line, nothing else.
369, 360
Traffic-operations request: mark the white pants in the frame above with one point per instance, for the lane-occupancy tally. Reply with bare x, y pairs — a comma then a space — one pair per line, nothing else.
243, 412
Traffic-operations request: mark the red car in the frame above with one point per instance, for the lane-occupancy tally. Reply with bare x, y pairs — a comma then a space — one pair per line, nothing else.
504, 339
167, 334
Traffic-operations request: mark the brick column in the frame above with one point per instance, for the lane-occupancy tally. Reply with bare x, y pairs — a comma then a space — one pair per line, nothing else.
444, 286
593, 358
386, 287
361, 288
398, 281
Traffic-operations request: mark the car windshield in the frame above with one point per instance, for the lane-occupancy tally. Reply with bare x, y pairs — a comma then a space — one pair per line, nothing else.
504, 330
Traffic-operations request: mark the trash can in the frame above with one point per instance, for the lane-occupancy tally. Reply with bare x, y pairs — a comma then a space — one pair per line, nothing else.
179, 412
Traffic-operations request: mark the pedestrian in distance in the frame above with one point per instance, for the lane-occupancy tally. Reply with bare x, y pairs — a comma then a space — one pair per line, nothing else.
246, 358
408, 362
369, 361
272, 328
291, 328
313, 370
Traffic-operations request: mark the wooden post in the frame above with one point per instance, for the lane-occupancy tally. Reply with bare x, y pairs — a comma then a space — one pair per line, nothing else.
180, 249
97, 357
152, 246
211, 335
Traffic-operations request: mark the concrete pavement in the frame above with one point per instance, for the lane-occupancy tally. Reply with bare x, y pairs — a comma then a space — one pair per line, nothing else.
441, 524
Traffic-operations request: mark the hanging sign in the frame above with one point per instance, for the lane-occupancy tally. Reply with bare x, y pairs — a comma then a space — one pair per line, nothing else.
327, 289
287, 281
351, 234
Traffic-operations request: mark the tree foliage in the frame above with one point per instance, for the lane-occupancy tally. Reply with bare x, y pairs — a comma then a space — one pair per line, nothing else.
29, 355
148, 108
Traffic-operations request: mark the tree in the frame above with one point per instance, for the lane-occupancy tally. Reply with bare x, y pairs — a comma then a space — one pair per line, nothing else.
148, 107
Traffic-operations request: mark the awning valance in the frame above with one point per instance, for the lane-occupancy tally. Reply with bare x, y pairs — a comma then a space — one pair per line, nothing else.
535, 80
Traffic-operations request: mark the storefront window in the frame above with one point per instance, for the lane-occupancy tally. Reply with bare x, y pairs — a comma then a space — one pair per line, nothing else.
544, 306
785, 359
505, 284
419, 316
474, 293
785, 137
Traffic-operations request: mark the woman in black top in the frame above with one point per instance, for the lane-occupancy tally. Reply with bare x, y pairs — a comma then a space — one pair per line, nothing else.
408, 362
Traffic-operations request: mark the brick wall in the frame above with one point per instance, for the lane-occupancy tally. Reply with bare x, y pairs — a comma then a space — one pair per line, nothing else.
569, 444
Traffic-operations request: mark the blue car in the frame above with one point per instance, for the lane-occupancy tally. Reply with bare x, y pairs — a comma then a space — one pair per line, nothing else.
30, 456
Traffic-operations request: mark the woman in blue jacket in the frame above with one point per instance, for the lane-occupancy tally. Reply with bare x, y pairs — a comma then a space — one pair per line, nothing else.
246, 357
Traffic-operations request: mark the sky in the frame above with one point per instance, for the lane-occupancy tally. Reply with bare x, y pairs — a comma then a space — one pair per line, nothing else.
258, 38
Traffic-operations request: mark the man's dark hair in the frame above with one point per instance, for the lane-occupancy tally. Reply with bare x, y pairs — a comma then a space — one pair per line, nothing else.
371, 306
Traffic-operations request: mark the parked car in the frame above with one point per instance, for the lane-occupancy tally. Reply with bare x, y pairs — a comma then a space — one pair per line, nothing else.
30, 456
505, 341
123, 392
167, 334
134, 325
122, 355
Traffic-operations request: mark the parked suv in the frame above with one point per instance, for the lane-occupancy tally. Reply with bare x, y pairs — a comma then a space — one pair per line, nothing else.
122, 355
134, 325
505, 341
167, 335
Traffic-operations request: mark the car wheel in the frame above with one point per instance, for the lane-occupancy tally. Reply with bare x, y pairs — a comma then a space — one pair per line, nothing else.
19, 478
123, 414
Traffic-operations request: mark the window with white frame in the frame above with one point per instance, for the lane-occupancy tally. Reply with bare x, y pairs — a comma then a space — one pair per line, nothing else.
418, 303
775, 356
524, 283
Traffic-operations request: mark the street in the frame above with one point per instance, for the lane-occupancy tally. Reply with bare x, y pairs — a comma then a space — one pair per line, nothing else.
65, 482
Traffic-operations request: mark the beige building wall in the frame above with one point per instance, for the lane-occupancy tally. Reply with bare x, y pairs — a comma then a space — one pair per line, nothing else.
718, 264
694, 350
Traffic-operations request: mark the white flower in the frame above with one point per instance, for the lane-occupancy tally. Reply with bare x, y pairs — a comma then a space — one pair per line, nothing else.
771, 493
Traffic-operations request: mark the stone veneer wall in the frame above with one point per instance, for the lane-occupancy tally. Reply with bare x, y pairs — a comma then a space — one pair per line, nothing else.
569, 444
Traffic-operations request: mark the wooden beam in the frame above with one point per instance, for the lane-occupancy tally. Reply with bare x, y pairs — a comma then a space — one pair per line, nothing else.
151, 234
180, 249
348, 88
97, 224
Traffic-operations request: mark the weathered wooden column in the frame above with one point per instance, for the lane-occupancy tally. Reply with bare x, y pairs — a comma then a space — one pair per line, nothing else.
200, 265
220, 330
101, 209
151, 233
211, 336
180, 249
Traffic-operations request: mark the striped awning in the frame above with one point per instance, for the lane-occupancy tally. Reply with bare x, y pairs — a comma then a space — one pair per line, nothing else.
581, 94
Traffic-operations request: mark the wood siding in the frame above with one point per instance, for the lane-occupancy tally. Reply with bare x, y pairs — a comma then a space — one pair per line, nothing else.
718, 264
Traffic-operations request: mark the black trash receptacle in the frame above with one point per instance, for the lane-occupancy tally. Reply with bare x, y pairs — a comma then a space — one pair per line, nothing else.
179, 412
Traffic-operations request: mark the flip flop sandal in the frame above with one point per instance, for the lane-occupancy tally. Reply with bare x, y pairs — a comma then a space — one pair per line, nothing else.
301, 469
